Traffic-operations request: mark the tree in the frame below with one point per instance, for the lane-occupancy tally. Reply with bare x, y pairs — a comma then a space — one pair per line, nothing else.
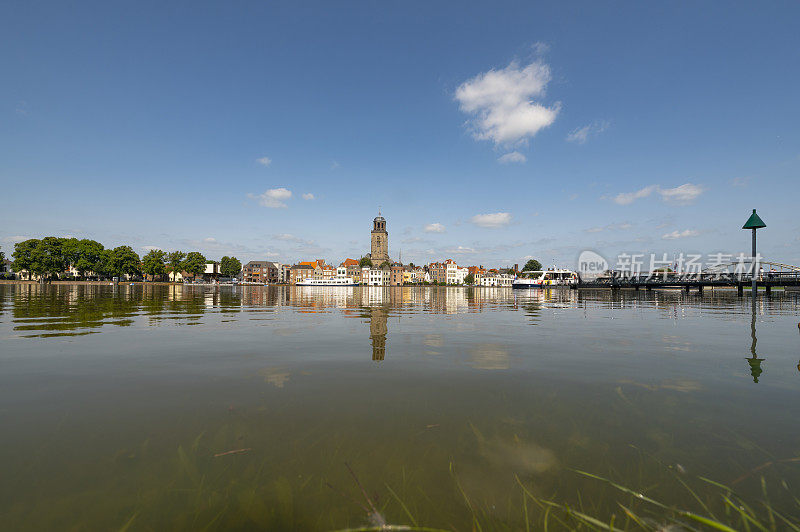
175, 260
122, 260
194, 263
153, 263
532, 265
469, 279
365, 262
47, 258
23, 254
230, 266
385, 264
84, 255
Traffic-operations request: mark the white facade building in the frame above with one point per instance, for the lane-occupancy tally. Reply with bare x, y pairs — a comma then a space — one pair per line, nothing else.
494, 279
375, 277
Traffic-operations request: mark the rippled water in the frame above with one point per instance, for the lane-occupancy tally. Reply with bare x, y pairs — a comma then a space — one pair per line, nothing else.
171, 407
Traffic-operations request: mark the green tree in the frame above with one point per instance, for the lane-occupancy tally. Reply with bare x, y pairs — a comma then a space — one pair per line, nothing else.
230, 266
153, 263
47, 258
385, 264
23, 254
532, 265
365, 262
84, 255
122, 260
469, 279
2, 256
175, 260
194, 263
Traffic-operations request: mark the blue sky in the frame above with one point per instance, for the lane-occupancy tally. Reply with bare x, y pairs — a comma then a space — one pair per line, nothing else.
486, 133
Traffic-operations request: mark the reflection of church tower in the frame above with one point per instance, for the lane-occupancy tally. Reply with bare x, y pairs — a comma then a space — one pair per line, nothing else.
379, 250
377, 331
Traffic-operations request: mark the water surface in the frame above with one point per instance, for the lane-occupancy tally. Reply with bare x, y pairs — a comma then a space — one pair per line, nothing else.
118, 405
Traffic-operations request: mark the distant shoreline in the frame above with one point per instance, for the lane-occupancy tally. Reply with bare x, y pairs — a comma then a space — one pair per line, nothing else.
161, 283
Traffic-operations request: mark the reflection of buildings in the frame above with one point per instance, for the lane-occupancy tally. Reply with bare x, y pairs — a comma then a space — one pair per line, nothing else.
378, 327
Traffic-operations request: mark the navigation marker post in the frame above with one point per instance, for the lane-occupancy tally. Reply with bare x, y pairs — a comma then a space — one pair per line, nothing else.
754, 222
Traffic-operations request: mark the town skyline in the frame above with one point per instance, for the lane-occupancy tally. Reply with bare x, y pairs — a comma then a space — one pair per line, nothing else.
272, 140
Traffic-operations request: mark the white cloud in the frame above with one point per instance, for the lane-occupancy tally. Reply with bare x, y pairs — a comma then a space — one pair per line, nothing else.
288, 237
265, 161
209, 240
500, 102
460, 250
494, 220
16, 238
740, 181
626, 198
610, 227
680, 234
150, 248
513, 157
680, 195
308, 196
581, 134
434, 228
273, 198
335, 165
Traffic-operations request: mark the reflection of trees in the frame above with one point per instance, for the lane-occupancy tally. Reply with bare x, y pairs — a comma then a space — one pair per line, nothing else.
71, 307
58, 309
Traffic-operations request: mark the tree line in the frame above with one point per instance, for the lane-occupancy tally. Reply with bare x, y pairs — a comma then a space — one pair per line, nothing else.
52, 256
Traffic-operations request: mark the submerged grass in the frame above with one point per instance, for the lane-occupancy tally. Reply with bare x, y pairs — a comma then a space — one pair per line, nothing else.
654, 515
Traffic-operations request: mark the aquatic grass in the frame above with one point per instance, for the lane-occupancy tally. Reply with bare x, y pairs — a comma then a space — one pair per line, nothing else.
741, 515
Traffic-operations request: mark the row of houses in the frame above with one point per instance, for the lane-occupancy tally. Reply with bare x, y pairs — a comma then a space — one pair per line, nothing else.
447, 272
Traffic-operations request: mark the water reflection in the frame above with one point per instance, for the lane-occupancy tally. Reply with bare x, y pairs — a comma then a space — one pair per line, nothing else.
37, 311
378, 327
483, 389
754, 361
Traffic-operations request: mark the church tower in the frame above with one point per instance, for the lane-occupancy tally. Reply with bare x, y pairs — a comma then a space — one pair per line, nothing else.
379, 251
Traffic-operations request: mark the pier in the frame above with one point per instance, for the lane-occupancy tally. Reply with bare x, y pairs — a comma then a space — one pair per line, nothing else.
782, 276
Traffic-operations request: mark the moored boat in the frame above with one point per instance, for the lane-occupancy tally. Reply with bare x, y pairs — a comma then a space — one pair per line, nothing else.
335, 281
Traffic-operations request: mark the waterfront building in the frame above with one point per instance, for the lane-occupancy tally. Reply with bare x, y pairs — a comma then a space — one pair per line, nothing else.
375, 276
301, 272
261, 271
352, 268
438, 272
494, 279
396, 275
379, 248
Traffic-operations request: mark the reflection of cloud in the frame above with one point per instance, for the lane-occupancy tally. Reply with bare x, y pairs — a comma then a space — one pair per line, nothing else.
275, 376
489, 356
520, 456
683, 386
433, 340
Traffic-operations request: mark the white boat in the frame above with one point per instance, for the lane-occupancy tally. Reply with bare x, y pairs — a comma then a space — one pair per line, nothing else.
545, 278
334, 281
